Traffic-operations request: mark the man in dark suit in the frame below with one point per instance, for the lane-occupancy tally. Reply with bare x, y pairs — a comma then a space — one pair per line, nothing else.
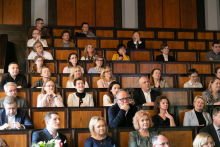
145, 96
13, 118
164, 48
136, 42
122, 113
52, 120
214, 128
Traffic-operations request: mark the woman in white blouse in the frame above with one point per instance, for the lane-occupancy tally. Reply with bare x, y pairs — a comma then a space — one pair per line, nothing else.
108, 99
89, 52
72, 61
80, 98
76, 72
105, 78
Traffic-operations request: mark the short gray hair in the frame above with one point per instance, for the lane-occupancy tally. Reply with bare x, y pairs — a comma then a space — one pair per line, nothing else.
10, 100
144, 76
93, 121
215, 111
35, 45
155, 138
9, 84
117, 93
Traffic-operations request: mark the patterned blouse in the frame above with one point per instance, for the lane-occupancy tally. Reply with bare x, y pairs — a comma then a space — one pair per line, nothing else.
209, 97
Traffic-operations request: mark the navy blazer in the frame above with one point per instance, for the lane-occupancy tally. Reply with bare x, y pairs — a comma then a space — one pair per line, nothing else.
211, 130
161, 58
131, 45
44, 135
117, 118
22, 117
139, 97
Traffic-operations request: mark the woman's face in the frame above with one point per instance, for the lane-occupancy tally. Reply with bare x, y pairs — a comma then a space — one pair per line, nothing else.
73, 59
122, 50
99, 62
108, 73
144, 122
216, 85
156, 74
39, 62
77, 73
80, 86
164, 104
115, 88
209, 143
99, 128
90, 49
199, 104
49, 86
218, 73
165, 50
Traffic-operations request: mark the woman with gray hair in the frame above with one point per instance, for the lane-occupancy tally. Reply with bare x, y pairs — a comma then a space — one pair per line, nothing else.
99, 138
143, 136
203, 140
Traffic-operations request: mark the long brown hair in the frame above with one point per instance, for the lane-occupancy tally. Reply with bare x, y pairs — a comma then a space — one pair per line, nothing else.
69, 64
152, 79
110, 94
157, 103
33, 69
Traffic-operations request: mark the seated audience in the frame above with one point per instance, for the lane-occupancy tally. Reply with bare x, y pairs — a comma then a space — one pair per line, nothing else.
72, 61
105, 78
164, 48
145, 96
66, 40
36, 37
14, 76
76, 72
143, 136
85, 30
156, 80
49, 96
13, 118
214, 55
121, 55
45, 73
89, 52
40, 26
108, 99
217, 72
163, 116
52, 121
213, 129
212, 93
99, 63
80, 98
3, 143
197, 116
38, 51
121, 113
36, 68
192, 83
203, 140
11, 90
160, 141
99, 138
136, 42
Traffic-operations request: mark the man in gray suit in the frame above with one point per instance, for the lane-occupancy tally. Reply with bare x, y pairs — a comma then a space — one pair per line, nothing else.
11, 90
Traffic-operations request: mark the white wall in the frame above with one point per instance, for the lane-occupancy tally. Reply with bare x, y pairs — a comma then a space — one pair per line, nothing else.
39, 9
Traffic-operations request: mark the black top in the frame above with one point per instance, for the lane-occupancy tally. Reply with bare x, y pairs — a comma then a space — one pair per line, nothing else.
131, 45
107, 142
158, 121
161, 58
200, 118
20, 80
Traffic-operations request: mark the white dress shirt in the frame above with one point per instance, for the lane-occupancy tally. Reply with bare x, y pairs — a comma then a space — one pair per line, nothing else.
11, 120
46, 55
165, 57
54, 137
136, 46
190, 85
31, 42
147, 96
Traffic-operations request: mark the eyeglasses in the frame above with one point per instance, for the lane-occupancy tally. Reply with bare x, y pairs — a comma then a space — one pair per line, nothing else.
208, 143
39, 46
164, 143
50, 86
124, 99
107, 71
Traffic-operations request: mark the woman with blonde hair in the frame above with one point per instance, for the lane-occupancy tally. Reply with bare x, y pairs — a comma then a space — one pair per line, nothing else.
197, 116
105, 78
36, 68
156, 80
203, 140
99, 138
99, 63
142, 136
212, 93
76, 72
89, 52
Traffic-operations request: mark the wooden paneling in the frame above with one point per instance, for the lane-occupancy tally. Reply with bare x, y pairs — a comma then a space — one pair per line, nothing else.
172, 68
202, 56
185, 35
58, 32
0, 11
188, 12
63, 54
166, 35
109, 43
124, 138
153, 44
101, 94
81, 138
104, 13
153, 10
169, 81
50, 65
205, 35
81, 43
94, 82
104, 33
14, 140
12, 12
207, 80
183, 80
196, 45
210, 45
146, 34
202, 68
66, 15
186, 56
61, 67
85, 12
124, 68
176, 44
125, 42
177, 97
195, 93
140, 55
109, 54
148, 67
171, 14
218, 36
181, 115
129, 82
64, 81
125, 34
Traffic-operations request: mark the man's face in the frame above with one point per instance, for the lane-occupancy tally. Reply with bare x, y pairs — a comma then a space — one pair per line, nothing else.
40, 24
35, 34
85, 28
11, 109
54, 122
39, 48
216, 48
66, 36
13, 70
216, 119
122, 98
45, 73
11, 91
136, 36
144, 83
161, 140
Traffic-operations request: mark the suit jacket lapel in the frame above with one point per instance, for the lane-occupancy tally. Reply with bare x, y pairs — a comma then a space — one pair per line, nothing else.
142, 97
4, 118
214, 134
47, 135
194, 117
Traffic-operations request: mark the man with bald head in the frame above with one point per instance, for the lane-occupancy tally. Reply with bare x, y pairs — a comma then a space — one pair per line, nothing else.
145, 96
160, 140
136, 42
